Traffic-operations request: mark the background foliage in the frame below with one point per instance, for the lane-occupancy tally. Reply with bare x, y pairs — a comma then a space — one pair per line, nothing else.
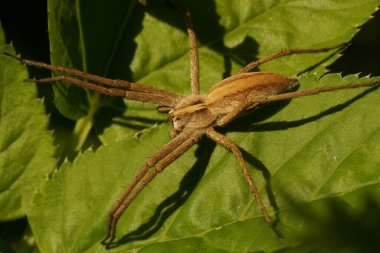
315, 159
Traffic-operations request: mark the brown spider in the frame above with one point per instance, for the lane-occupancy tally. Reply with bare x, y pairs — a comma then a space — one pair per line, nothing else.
195, 115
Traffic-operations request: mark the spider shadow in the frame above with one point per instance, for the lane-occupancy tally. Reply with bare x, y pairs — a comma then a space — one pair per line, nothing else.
258, 165
244, 125
139, 123
203, 153
248, 124
117, 118
165, 209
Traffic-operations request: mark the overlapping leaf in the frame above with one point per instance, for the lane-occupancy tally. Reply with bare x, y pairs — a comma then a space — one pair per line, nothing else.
26, 149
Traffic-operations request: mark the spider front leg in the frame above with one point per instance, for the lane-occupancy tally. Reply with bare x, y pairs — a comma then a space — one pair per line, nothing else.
169, 153
81, 83
163, 99
194, 58
113, 87
225, 142
73, 72
164, 151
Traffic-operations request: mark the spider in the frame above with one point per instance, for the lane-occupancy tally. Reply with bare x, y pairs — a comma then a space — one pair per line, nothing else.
195, 115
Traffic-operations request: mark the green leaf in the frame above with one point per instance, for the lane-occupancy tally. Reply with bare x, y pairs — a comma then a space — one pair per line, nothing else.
135, 120
26, 149
124, 40
308, 151
314, 148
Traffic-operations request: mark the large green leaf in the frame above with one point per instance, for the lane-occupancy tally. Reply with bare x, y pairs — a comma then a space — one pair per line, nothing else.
26, 149
149, 45
308, 151
316, 148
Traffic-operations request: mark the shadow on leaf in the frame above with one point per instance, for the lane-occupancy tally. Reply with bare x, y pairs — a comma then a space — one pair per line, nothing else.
177, 199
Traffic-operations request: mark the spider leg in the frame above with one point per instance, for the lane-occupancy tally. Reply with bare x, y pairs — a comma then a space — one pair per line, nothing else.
161, 99
225, 142
169, 153
164, 151
98, 79
254, 101
110, 82
311, 91
194, 58
268, 58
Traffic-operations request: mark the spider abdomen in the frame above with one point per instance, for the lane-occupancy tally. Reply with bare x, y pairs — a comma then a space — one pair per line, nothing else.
237, 91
